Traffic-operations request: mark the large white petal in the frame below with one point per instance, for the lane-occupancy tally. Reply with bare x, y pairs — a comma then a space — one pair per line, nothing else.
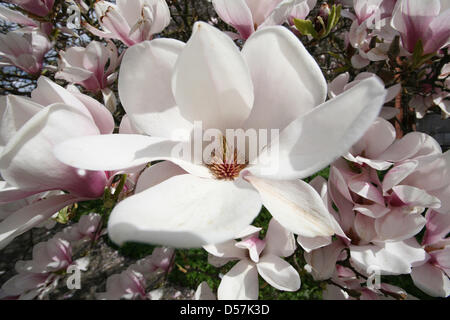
120, 151
211, 81
312, 141
278, 273
279, 241
240, 283
295, 205
156, 174
145, 88
185, 211
287, 80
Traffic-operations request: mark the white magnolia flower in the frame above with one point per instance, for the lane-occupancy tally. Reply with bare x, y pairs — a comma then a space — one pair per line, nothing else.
166, 85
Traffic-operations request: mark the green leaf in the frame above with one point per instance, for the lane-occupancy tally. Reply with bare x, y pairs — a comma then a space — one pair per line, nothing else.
305, 27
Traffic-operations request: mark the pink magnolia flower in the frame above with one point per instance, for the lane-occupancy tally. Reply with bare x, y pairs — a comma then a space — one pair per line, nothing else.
87, 66
29, 130
38, 7
246, 16
25, 49
133, 283
131, 21
425, 20
256, 256
210, 80
39, 275
433, 276
85, 229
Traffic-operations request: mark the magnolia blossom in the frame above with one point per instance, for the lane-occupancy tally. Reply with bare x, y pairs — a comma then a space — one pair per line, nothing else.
29, 130
256, 256
40, 8
246, 16
15, 16
39, 275
50, 260
24, 48
341, 83
371, 19
92, 67
433, 276
131, 21
133, 283
87, 228
210, 80
424, 20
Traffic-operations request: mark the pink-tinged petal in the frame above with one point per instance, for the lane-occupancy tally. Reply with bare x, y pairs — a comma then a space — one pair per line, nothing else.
359, 62
156, 174
121, 151
240, 283
254, 245
279, 241
322, 262
278, 273
412, 20
237, 14
376, 140
310, 244
441, 258
337, 86
15, 16
17, 111
126, 126
396, 175
412, 145
211, 81
437, 227
204, 292
261, 9
412, 196
288, 82
201, 211
365, 227
306, 145
333, 292
371, 210
9, 193
226, 251
145, 88
28, 161
438, 33
393, 92
295, 205
389, 258
31, 216
433, 174
398, 225
48, 92
102, 117
431, 280
344, 204
366, 189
